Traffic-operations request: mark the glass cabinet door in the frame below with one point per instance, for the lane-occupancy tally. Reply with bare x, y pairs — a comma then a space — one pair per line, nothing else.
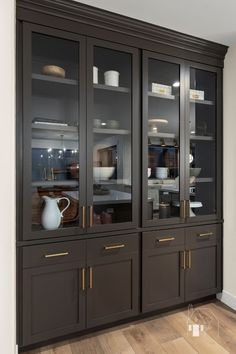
202, 129
162, 139
52, 159
110, 136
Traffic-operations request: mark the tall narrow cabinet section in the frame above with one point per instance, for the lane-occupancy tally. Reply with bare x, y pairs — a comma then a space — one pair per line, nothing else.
80, 133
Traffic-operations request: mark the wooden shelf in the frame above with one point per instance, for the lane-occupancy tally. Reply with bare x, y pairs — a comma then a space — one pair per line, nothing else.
201, 137
54, 79
111, 88
158, 95
111, 131
161, 135
209, 103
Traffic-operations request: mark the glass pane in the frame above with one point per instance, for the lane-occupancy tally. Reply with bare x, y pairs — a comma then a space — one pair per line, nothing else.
163, 140
55, 133
202, 130
112, 174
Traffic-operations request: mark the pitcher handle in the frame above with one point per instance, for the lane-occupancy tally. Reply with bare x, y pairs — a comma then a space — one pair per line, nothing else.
68, 201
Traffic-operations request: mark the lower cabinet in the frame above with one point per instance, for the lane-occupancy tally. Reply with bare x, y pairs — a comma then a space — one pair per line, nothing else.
70, 286
180, 265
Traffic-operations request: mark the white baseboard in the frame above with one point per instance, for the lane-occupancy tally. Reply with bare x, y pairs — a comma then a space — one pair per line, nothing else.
228, 299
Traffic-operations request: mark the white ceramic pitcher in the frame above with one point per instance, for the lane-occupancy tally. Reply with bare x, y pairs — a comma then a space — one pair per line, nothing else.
51, 215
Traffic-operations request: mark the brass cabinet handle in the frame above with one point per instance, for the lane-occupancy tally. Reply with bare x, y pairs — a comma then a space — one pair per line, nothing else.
189, 265
83, 278
83, 217
182, 209
206, 234
183, 260
187, 208
113, 247
56, 255
90, 277
166, 239
90, 216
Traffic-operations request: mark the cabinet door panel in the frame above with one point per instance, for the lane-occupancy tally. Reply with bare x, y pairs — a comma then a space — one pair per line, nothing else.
113, 290
203, 278
162, 278
113, 123
53, 302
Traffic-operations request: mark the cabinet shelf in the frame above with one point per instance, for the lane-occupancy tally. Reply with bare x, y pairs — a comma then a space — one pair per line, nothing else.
111, 88
111, 131
54, 79
161, 135
204, 180
209, 103
201, 137
158, 95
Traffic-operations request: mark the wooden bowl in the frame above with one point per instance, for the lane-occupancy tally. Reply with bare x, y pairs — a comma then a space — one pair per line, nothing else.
53, 70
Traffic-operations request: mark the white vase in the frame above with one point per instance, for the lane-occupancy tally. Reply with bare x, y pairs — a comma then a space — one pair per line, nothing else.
112, 78
51, 215
95, 75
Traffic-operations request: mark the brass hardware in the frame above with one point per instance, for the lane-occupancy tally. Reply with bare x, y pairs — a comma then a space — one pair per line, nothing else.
166, 239
83, 279
187, 208
56, 255
183, 260
113, 247
90, 277
83, 217
189, 259
206, 234
90, 216
182, 209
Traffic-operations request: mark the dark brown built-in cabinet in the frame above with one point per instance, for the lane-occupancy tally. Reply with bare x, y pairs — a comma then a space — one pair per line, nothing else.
119, 169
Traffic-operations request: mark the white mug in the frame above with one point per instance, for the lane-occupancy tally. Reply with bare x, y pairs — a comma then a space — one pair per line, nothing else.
112, 78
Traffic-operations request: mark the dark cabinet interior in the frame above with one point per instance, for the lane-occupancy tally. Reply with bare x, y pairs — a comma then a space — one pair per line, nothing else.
119, 178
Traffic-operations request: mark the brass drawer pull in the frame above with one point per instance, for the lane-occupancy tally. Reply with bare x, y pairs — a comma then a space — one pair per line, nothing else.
113, 247
166, 239
91, 216
56, 255
182, 209
187, 209
83, 278
206, 234
83, 217
183, 260
90, 277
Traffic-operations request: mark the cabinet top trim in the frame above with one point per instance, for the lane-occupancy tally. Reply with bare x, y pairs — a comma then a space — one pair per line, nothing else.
106, 20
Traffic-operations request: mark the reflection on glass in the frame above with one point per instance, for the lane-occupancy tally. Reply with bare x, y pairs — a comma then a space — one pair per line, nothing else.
163, 140
55, 140
202, 186
112, 175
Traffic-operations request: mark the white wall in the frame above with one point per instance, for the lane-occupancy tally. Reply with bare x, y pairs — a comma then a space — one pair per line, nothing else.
229, 286
7, 177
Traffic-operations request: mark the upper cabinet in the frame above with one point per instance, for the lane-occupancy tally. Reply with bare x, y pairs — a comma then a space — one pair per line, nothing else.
181, 115
78, 134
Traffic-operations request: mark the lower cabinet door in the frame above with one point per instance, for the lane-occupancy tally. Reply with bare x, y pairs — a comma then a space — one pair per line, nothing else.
162, 269
203, 273
113, 280
53, 301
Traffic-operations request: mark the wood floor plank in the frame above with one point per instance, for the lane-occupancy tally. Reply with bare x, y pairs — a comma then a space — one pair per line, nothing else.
142, 341
64, 348
89, 345
178, 346
115, 343
161, 329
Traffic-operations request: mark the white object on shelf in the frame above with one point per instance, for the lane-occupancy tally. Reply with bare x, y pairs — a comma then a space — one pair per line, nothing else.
161, 172
196, 95
111, 78
51, 215
102, 173
95, 75
161, 89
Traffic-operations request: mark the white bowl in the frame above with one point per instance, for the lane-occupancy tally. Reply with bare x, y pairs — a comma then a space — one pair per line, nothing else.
103, 173
195, 172
161, 172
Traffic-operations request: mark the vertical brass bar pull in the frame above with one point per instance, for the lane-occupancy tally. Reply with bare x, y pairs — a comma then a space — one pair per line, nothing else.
90, 216
83, 278
183, 260
187, 209
83, 217
189, 259
90, 277
182, 209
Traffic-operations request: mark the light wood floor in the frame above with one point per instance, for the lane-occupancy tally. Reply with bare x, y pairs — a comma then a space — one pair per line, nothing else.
166, 333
